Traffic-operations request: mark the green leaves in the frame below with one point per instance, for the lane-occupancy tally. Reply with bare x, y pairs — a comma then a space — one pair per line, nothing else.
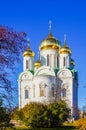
38, 115
4, 116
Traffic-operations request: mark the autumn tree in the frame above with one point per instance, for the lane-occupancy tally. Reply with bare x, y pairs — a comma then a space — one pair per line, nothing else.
12, 43
80, 124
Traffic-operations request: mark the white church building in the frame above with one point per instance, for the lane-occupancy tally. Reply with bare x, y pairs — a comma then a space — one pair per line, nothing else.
51, 78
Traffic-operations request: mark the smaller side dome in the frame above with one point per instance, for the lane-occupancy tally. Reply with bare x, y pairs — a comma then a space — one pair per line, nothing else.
28, 52
37, 63
72, 62
65, 49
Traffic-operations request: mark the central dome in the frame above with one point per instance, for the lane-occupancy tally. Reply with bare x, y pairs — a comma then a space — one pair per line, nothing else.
50, 43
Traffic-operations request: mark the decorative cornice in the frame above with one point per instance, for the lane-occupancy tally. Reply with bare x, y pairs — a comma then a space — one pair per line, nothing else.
53, 46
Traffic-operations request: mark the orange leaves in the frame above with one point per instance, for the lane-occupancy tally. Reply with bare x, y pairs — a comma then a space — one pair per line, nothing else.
11, 47
11, 43
80, 124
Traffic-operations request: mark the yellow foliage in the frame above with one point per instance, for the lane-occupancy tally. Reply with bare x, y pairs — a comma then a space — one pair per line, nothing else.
80, 124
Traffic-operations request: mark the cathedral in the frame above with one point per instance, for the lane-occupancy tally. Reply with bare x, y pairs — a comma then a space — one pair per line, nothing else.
52, 77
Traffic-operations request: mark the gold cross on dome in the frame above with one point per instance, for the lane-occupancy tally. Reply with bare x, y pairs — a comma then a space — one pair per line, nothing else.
64, 38
50, 26
28, 42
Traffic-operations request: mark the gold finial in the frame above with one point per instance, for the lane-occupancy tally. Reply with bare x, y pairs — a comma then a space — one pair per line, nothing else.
50, 27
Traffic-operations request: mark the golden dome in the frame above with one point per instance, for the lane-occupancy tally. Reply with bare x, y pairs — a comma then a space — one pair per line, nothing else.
72, 62
65, 49
28, 52
37, 64
50, 43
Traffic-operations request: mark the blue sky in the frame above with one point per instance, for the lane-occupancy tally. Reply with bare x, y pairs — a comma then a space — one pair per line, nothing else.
68, 17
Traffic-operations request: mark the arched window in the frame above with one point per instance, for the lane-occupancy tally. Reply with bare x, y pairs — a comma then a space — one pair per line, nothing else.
52, 91
43, 88
34, 91
26, 64
54, 60
47, 60
63, 92
64, 61
57, 61
67, 63
41, 91
26, 94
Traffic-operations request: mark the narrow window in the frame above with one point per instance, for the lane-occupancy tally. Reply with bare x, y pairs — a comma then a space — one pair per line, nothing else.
26, 94
47, 60
26, 64
63, 92
57, 61
54, 60
41, 91
64, 61
33, 91
45, 85
67, 61
52, 91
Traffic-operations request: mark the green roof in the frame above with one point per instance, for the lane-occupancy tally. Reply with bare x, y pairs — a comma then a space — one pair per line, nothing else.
31, 71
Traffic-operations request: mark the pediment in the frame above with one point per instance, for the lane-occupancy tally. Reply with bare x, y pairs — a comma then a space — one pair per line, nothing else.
44, 70
25, 75
64, 73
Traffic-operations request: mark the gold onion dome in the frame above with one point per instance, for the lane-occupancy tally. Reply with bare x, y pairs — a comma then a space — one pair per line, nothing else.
28, 52
37, 63
72, 62
65, 49
50, 43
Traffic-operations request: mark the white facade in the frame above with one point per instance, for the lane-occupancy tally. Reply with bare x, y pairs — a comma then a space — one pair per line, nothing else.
51, 78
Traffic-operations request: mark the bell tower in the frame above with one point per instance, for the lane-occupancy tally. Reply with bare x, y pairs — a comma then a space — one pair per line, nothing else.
28, 59
64, 55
